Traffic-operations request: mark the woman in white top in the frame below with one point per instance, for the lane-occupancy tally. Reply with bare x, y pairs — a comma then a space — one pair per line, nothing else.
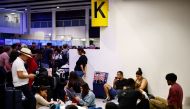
41, 98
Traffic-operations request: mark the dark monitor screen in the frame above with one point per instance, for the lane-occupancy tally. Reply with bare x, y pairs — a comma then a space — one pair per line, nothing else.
8, 42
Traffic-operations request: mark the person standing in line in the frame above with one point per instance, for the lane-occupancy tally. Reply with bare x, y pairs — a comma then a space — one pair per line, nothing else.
21, 77
81, 64
175, 96
65, 54
47, 56
5, 67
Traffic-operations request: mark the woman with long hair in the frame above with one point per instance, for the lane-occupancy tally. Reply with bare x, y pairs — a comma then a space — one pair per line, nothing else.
73, 86
87, 97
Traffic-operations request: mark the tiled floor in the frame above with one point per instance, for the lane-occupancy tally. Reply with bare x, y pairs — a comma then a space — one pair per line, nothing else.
99, 103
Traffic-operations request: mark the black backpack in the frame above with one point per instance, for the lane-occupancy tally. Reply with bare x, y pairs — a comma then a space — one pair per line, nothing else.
41, 77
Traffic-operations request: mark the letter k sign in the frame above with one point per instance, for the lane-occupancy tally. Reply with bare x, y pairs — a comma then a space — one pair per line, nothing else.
98, 9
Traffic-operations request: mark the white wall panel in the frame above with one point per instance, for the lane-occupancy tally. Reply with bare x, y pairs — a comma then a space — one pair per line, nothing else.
153, 35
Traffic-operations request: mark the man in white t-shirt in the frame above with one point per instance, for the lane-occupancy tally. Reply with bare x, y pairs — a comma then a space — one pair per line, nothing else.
21, 76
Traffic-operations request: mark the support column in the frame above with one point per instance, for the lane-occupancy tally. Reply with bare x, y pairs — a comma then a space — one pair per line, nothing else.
53, 34
28, 20
87, 16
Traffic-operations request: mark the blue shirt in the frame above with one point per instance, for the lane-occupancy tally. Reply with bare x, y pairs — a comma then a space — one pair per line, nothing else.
88, 100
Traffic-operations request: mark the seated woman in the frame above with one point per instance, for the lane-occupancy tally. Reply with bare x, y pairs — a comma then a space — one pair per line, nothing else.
141, 82
87, 98
41, 98
73, 86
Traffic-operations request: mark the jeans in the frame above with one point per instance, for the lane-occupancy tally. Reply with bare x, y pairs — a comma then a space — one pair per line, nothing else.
79, 73
31, 101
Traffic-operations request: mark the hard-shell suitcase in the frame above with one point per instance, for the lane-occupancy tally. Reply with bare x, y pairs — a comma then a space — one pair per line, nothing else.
100, 78
13, 99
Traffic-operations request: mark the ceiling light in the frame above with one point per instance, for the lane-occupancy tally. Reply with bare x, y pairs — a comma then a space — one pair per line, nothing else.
25, 9
13, 13
57, 6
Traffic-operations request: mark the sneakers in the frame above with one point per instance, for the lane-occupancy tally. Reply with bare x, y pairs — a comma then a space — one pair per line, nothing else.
106, 100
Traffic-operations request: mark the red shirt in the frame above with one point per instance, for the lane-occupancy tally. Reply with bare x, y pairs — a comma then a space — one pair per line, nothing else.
32, 67
175, 96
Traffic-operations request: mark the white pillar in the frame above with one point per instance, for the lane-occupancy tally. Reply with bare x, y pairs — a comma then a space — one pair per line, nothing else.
53, 34
28, 20
87, 26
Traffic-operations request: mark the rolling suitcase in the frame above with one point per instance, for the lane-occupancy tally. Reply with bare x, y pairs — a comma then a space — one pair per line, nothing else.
100, 78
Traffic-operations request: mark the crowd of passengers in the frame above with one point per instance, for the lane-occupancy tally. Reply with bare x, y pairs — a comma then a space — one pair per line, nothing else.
19, 62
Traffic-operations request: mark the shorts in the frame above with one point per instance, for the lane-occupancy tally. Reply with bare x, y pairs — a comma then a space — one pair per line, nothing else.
79, 73
113, 92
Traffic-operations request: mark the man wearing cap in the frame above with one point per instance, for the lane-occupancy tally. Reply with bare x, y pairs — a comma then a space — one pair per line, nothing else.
21, 76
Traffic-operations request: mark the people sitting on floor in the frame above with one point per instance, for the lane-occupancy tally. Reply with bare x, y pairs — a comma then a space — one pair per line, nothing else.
87, 97
118, 84
141, 82
41, 98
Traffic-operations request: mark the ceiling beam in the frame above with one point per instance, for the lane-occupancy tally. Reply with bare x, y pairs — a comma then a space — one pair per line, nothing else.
40, 3
51, 6
61, 9
10, 1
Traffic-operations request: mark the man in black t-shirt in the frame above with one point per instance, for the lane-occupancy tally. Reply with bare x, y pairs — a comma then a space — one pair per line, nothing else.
118, 84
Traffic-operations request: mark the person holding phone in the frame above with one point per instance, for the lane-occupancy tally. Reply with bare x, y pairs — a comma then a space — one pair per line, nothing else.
21, 77
118, 85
